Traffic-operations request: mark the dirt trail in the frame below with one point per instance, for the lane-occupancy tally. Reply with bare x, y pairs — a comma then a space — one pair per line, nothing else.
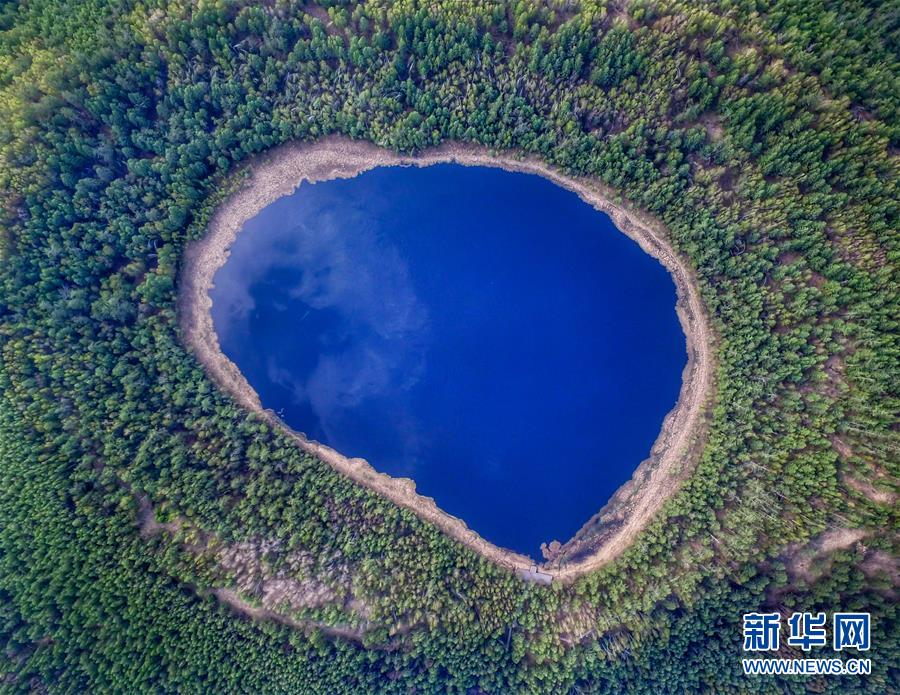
231, 598
148, 526
281, 171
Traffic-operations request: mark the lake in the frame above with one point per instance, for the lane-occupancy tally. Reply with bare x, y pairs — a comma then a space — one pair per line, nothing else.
486, 333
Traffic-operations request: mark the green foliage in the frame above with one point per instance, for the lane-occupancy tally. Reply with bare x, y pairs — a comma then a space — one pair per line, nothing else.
761, 134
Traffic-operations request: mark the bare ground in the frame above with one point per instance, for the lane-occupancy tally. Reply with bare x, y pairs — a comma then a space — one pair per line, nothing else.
278, 593
147, 522
281, 171
800, 563
233, 599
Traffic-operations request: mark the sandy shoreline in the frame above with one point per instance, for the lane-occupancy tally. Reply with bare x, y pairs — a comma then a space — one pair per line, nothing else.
604, 537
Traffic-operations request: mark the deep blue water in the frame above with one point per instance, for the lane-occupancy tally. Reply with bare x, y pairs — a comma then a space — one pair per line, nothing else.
485, 333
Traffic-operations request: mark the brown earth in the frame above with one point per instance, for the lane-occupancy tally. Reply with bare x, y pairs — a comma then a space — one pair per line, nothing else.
277, 594
800, 563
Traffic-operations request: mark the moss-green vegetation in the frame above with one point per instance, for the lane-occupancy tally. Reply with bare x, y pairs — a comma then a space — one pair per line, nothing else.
761, 133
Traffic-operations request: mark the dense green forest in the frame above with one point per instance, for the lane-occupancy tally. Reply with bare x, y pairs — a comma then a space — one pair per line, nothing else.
763, 133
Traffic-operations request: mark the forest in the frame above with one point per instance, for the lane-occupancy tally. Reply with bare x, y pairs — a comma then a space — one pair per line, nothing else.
156, 537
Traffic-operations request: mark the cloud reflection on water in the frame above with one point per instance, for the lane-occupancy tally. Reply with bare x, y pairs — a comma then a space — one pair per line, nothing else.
371, 329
